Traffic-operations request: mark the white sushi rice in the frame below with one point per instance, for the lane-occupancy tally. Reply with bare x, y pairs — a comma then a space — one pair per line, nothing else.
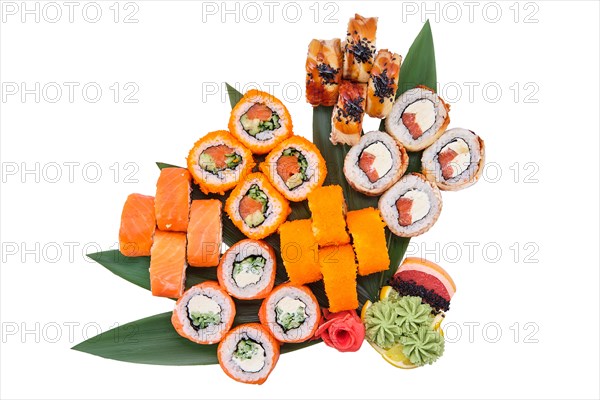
389, 211
304, 330
224, 176
433, 170
265, 361
265, 137
358, 179
312, 174
395, 127
212, 333
237, 253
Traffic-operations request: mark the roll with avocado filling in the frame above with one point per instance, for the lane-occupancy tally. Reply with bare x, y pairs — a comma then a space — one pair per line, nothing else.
259, 120
291, 167
253, 206
218, 158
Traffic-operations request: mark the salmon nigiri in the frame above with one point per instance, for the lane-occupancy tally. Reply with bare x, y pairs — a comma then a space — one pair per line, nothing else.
137, 226
204, 233
168, 264
172, 201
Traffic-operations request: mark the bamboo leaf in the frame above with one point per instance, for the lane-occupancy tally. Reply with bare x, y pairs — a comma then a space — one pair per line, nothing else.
234, 95
418, 67
153, 340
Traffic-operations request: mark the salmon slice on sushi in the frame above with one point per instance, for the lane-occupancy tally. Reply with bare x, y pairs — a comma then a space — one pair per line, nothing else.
291, 313
375, 163
137, 226
454, 161
248, 353
168, 264
359, 48
383, 84
419, 116
172, 202
260, 121
323, 72
204, 314
411, 206
328, 209
348, 113
299, 251
256, 207
218, 162
204, 236
247, 270
295, 167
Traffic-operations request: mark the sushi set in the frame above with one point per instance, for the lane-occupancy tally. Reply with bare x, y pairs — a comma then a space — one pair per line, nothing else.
302, 250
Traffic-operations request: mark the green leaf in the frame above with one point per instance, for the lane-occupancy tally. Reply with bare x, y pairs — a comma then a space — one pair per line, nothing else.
418, 67
153, 340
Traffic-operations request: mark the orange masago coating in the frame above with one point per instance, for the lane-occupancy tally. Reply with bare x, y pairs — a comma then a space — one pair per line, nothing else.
369, 241
299, 251
137, 226
328, 208
339, 276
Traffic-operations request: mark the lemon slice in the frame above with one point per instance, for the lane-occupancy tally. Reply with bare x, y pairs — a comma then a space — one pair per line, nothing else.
363, 312
396, 357
385, 292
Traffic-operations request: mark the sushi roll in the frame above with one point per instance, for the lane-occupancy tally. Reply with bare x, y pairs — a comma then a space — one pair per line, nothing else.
218, 161
291, 313
247, 270
359, 48
168, 264
348, 113
419, 116
204, 314
137, 226
375, 163
323, 72
339, 277
411, 206
299, 252
256, 207
204, 236
172, 201
369, 241
295, 167
248, 353
328, 209
383, 84
260, 121
455, 161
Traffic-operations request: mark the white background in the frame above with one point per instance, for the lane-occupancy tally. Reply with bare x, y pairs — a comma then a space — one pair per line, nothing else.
549, 208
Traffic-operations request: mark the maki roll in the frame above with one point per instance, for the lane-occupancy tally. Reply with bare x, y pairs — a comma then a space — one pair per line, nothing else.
204, 234
137, 225
338, 266
247, 270
299, 252
328, 209
218, 162
295, 167
172, 201
204, 314
455, 161
248, 353
418, 118
291, 313
168, 264
411, 206
383, 84
260, 121
348, 113
359, 48
323, 72
375, 163
256, 207
369, 241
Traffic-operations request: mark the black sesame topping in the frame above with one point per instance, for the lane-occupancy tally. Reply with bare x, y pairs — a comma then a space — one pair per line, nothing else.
384, 86
362, 50
328, 73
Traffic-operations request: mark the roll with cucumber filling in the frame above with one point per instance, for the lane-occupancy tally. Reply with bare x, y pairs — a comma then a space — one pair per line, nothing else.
375, 163
218, 162
295, 167
411, 206
204, 313
254, 206
248, 353
291, 313
455, 161
419, 116
260, 121
247, 269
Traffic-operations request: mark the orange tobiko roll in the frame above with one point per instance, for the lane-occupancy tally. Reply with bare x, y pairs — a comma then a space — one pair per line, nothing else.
369, 241
328, 208
339, 276
299, 251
